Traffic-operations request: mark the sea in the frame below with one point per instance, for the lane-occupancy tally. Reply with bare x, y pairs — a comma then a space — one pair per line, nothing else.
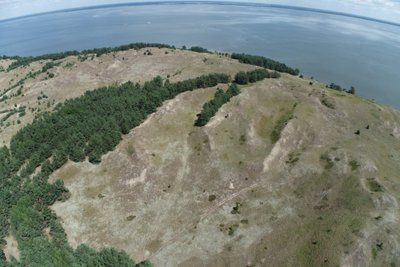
346, 50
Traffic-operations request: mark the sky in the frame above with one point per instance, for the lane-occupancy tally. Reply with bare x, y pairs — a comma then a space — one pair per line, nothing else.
379, 9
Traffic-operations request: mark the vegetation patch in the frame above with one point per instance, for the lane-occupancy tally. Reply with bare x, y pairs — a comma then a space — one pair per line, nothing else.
210, 108
212, 198
264, 62
354, 164
280, 125
199, 49
339, 88
87, 126
328, 102
242, 139
130, 150
232, 229
329, 163
130, 218
373, 185
49, 65
24, 61
293, 158
69, 65
236, 208
254, 76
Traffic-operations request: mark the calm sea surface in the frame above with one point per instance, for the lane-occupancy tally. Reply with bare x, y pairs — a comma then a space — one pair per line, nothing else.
331, 48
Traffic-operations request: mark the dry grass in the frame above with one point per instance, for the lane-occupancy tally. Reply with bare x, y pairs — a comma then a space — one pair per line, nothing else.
151, 196
73, 77
296, 214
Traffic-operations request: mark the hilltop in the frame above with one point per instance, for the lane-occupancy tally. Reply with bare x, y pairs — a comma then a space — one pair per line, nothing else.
287, 173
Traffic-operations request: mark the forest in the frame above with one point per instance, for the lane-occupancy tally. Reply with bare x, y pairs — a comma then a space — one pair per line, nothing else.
82, 128
265, 62
211, 107
85, 128
254, 76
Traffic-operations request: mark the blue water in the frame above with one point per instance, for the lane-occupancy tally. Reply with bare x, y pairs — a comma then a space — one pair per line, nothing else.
344, 50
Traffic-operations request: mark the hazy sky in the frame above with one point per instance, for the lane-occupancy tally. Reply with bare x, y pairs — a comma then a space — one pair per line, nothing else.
380, 9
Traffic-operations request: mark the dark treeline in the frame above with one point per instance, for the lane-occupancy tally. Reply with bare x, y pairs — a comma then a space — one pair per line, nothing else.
211, 107
264, 62
337, 87
87, 126
220, 98
199, 49
49, 65
254, 76
92, 124
23, 61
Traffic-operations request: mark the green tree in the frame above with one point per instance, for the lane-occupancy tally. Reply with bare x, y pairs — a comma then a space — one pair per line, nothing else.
241, 78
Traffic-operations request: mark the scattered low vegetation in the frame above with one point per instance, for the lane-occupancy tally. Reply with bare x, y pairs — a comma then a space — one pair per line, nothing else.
374, 186
24, 61
293, 158
69, 65
147, 53
49, 65
339, 88
212, 198
236, 208
20, 110
327, 101
329, 162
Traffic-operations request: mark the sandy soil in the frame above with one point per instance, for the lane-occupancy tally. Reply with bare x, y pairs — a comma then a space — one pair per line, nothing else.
167, 182
169, 191
73, 77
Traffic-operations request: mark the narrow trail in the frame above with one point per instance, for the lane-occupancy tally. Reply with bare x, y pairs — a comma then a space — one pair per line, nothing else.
275, 153
206, 214
213, 209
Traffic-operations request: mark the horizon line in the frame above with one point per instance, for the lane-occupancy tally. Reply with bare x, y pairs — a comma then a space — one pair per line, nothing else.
208, 2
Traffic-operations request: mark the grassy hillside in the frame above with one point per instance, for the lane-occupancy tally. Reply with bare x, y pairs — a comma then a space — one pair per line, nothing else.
286, 173
74, 75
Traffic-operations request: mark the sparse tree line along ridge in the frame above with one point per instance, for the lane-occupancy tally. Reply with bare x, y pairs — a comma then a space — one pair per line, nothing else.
337, 87
85, 127
211, 107
23, 61
244, 58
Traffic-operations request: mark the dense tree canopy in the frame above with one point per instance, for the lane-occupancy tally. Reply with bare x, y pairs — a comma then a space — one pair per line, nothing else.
199, 49
85, 127
220, 98
264, 62
254, 76
211, 107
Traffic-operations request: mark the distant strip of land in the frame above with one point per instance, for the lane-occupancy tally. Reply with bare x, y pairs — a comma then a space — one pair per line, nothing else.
221, 3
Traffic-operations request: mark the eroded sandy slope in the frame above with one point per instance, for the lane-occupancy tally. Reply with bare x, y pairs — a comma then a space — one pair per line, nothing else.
169, 191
